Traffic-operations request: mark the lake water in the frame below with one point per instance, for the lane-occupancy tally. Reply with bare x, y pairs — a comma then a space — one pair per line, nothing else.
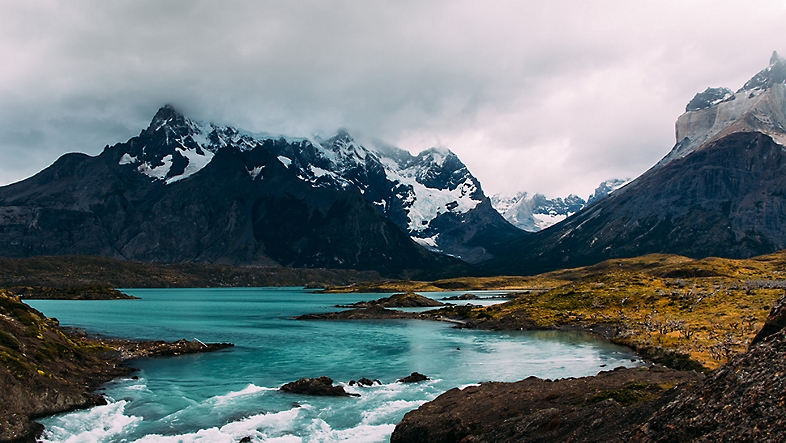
233, 393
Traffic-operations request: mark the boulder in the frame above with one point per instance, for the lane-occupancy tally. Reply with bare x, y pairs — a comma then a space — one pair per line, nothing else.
364, 382
414, 377
316, 386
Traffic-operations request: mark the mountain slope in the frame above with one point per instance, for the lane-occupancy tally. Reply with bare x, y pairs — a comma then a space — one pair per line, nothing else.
164, 197
723, 197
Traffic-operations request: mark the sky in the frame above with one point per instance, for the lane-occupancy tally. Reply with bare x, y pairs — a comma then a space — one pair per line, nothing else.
550, 97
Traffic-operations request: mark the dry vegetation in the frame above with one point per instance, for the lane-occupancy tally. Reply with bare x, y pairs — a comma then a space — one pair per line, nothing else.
707, 309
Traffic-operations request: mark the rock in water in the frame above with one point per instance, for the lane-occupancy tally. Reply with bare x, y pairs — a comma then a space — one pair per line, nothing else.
414, 377
364, 382
316, 386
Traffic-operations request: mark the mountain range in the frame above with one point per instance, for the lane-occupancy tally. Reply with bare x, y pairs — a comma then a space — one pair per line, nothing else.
537, 212
186, 191
719, 192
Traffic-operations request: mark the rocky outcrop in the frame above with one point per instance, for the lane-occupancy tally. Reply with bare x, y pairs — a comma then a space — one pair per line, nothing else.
408, 300
533, 410
372, 312
72, 293
415, 377
364, 382
321, 386
462, 297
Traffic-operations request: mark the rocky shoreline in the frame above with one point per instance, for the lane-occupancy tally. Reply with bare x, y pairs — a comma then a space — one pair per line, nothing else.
741, 401
46, 369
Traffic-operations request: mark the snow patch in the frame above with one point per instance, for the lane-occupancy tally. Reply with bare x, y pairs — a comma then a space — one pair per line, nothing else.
285, 160
254, 173
158, 172
196, 162
428, 242
127, 160
428, 203
543, 221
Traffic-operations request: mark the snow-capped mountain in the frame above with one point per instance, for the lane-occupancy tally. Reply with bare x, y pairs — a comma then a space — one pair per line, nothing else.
537, 212
188, 192
432, 196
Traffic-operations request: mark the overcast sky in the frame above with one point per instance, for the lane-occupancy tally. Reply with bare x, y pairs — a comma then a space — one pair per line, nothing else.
539, 96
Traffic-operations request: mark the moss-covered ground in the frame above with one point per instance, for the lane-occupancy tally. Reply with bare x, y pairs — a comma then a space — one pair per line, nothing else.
706, 309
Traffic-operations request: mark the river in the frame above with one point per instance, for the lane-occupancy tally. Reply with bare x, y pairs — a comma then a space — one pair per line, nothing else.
231, 394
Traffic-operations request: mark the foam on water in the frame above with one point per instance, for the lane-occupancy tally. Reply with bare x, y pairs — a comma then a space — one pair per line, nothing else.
320, 431
251, 389
270, 427
98, 424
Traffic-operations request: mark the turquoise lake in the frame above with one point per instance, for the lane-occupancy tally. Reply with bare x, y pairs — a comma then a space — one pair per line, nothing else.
232, 394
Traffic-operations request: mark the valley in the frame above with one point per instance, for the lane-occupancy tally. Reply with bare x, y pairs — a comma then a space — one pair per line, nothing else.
677, 277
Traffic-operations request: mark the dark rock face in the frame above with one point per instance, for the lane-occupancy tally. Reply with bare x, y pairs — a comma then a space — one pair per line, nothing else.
187, 191
244, 207
534, 410
726, 200
414, 377
322, 386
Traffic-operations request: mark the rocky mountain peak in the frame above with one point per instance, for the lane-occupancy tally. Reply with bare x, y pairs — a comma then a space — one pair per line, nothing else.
710, 97
773, 74
775, 58
759, 106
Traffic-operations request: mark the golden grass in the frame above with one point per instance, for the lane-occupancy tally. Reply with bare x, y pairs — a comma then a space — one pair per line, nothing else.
708, 309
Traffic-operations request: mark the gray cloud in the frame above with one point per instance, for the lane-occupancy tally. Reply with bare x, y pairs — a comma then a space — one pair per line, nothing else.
549, 97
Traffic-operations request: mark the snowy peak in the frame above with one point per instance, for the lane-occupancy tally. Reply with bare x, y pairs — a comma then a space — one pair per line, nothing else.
173, 147
606, 188
759, 106
773, 74
426, 195
536, 212
440, 169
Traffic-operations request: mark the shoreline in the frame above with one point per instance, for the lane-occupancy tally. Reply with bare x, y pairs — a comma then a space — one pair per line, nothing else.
611, 333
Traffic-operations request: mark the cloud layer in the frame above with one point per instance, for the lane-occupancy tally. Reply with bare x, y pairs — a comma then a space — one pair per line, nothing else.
549, 97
